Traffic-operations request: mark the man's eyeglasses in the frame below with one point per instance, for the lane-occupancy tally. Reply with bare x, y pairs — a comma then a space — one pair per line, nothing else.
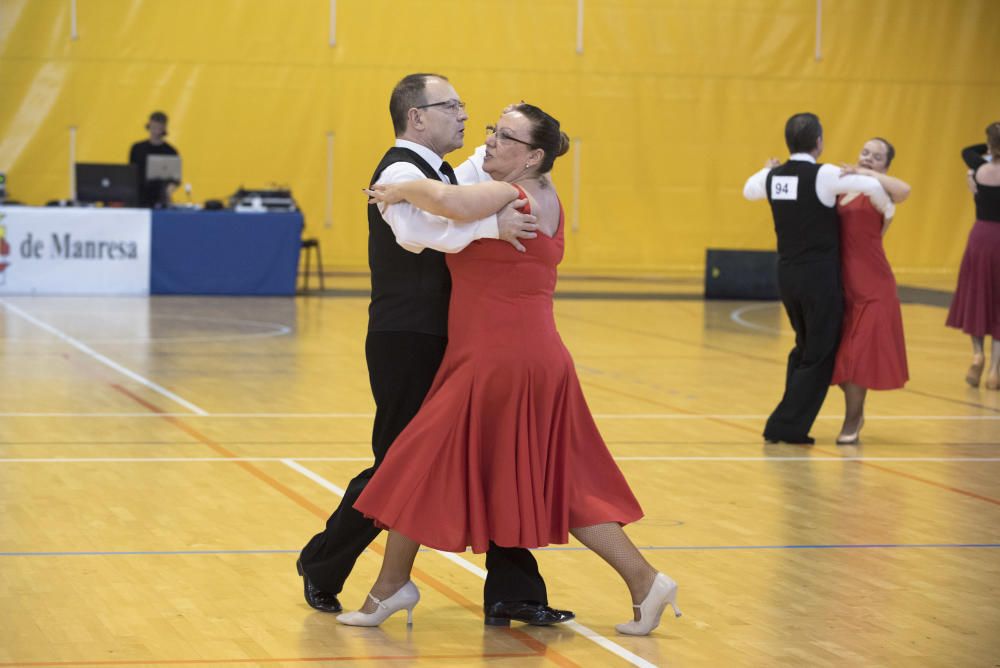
504, 136
451, 106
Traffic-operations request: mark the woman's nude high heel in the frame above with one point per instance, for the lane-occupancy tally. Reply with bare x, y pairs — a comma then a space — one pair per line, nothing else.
404, 599
993, 381
975, 370
662, 593
852, 439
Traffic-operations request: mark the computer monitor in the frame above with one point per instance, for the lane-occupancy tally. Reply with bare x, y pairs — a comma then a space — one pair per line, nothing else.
163, 168
107, 183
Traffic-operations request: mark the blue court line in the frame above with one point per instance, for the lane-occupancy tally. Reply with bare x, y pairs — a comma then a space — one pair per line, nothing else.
838, 546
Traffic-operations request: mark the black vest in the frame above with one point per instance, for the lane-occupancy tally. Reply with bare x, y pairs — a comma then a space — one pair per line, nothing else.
807, 230
410, 291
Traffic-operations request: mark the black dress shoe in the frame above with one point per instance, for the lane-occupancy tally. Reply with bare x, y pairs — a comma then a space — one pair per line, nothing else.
794, 440
317, 598
529, 612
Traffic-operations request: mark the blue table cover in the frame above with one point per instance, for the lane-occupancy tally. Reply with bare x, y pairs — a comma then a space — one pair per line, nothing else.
224, 253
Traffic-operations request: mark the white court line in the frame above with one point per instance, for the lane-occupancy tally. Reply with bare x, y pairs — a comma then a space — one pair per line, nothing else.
172, 460
736, 315
315, 477
102, 359
276, 329
369, 416
610, 645
667, 458
587, 633
723, 416
241, 416
649, 458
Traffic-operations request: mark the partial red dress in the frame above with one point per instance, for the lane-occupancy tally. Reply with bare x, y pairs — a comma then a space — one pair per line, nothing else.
872, 351
504, 447
975, 308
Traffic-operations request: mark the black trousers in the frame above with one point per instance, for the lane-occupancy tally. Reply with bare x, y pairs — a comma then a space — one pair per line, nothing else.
814, 302
401, 368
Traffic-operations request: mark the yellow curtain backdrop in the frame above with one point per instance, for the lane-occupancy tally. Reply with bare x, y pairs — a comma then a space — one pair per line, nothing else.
673, 103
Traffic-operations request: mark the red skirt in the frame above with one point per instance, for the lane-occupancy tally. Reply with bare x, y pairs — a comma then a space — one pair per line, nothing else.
975, 308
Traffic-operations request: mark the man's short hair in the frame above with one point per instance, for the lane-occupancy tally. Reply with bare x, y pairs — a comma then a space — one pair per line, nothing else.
158, 117
802, 133
408, 93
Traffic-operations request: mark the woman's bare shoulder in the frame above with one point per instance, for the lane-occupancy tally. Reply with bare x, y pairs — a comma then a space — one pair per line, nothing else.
545, 206
989, 174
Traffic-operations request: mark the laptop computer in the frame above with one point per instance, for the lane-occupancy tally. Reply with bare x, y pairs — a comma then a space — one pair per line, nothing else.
108, 183
163, 168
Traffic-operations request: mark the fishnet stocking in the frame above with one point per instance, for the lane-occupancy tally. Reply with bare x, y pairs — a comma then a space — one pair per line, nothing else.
611, 544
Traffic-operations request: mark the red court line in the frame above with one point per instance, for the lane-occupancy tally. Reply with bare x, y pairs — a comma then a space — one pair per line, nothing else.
699, 345
744, 427
220, 450
880, 467
540, 648
196, 662
961, 402
781, 362
676, 409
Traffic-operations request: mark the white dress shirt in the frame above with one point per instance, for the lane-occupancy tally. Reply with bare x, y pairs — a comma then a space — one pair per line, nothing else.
414, 228
829, 184
471, 171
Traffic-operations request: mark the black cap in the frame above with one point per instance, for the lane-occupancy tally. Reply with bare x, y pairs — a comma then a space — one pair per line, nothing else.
158, 116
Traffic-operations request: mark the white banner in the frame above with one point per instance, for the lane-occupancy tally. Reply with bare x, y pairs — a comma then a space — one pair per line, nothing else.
56, 251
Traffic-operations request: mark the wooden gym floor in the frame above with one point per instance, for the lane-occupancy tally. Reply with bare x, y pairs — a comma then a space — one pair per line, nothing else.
162, 460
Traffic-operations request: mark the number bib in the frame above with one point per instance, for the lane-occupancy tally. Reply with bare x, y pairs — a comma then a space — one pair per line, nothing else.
784, 187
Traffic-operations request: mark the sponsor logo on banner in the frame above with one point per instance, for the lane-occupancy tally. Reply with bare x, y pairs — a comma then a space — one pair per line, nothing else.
65, 247
4, 251
74, 251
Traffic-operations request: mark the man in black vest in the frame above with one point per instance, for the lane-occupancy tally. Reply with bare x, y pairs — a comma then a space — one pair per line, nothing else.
803, 197
407, 329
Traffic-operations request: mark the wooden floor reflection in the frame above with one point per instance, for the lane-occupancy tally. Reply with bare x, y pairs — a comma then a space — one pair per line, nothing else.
162, 460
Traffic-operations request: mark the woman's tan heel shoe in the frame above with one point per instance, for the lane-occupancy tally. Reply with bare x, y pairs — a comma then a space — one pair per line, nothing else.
993, 381
405, 599
852, 439
661, 594
975, 371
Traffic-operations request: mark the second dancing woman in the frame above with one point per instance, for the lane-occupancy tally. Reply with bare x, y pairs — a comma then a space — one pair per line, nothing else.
975, 309
872, 353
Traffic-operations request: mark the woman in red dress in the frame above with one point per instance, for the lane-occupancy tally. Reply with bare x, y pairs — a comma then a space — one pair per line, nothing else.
872, 353
975, 309
504, 448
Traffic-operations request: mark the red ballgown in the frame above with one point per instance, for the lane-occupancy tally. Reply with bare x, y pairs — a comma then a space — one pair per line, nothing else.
504, 447
872, 351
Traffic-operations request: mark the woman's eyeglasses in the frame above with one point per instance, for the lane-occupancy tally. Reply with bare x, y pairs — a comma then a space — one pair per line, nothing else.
503, 136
